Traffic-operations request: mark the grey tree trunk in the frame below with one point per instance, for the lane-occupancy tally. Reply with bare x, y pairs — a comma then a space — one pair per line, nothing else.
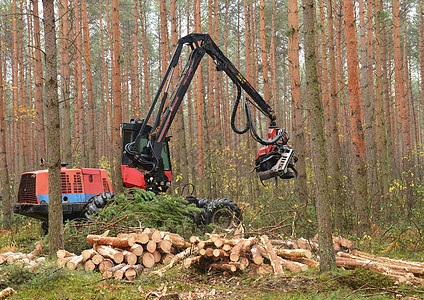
316, 115
53, 131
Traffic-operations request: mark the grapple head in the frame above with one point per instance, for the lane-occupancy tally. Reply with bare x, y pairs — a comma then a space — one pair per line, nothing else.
276, 160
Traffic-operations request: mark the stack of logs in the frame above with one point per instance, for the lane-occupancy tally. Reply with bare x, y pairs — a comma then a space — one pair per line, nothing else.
125, 255
29, 261
232, 255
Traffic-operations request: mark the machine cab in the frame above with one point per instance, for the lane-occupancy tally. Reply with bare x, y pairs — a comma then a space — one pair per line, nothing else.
132, 177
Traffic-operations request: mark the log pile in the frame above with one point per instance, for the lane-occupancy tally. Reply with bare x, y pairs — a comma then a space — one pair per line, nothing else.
24, 260
259, 256
126, 255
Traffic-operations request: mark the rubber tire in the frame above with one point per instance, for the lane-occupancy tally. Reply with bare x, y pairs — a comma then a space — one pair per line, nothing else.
44, 228
95, 203
223, 213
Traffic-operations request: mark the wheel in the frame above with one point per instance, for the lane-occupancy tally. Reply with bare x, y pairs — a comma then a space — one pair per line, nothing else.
222, 213
95, 203
44, 228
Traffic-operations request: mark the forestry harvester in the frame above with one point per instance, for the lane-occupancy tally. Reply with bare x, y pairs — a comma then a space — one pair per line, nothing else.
145, 151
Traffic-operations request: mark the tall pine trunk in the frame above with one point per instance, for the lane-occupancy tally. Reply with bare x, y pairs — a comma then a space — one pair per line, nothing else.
358, 145
322, 203
116, 91
53, 131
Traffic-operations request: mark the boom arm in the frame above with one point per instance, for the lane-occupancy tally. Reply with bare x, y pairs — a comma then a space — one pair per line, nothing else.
148, 159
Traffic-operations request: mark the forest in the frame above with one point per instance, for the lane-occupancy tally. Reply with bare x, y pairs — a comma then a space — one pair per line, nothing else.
344, 78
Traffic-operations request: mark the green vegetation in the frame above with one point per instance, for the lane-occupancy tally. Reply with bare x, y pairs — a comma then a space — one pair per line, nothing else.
141, 208
51, 282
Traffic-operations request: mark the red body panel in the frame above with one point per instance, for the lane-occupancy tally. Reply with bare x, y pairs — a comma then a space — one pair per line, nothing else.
133, 178
78, 185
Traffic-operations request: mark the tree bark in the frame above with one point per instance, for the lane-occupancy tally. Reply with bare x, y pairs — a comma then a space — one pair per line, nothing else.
327, 259
301, 189
53, 131
92, 160
359, 170
4, 170
116, 90
65, 80
334, 158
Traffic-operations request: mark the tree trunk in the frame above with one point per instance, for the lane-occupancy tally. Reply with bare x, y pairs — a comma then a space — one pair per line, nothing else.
4, 170
92, 160
65, 80
359, 170
297, 105
381, 121
334, 158
53, 131
116, 90
322, 203
199, 97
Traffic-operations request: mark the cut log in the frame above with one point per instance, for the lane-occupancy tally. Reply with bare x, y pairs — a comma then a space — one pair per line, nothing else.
182, 255
137, 249
164, 246
342, 242
154, 236
189, 261
111, 253
168, 258
290, 253
393, 265
129, 258
386, 259
130, 273
141, 238
204, 244
157, 255
119, 274
223, 267
242, 246
226, 247
256, 255
309, 262
218, 242
97, 259
62, 261
293, 266
209, 252
151, 246
63, 253
73, 263
88, 254
194, 239
148, 260
178, 241
276, 266
109, 273
105, 265
240, 266
220, 253
89, 266
124, 242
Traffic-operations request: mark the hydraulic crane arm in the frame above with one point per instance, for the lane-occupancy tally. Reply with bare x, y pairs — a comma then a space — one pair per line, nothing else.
148, 158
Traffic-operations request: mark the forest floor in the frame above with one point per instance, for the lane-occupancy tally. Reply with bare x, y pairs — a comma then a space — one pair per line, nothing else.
179, 283
52, 282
